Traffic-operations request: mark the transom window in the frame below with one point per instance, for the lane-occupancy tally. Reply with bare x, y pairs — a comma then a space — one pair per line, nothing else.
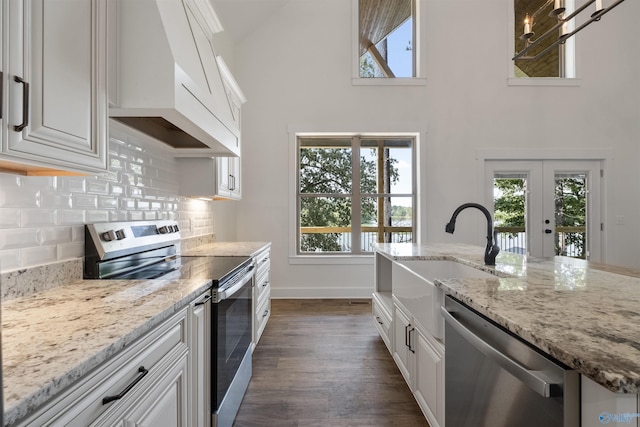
347, 183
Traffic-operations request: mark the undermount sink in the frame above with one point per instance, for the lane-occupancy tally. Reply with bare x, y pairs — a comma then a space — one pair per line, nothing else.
413, 285
443, 269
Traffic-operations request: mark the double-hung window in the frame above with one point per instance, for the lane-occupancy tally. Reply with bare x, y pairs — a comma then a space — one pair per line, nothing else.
354, 191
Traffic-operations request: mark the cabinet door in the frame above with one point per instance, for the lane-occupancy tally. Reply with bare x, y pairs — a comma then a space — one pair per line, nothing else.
57, 84
200, 352
162, 403
229, 177
429, 384
402, 353
166, 405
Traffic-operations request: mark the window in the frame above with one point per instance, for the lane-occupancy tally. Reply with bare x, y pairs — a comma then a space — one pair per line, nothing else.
347, 183
386, 38
386, 41
532, 19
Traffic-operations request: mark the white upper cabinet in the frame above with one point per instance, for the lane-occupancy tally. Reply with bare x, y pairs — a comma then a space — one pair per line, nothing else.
55, 120
205, 177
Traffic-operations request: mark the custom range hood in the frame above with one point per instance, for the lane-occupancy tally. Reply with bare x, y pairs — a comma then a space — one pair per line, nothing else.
165, 81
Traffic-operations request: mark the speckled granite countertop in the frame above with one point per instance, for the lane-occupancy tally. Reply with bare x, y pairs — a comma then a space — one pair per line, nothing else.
226, 249
51, 337
585, 315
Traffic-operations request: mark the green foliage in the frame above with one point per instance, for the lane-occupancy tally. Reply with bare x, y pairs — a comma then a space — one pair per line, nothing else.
368, 67
328, 171
570, 195
509, 207
570, 210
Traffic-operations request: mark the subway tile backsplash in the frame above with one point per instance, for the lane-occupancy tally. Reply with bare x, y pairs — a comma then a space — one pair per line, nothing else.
42, 218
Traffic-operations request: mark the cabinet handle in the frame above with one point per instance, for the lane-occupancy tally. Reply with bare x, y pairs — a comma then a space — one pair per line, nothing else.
25, 104
110, 399
266, 312
265, 284
378, 320
203, 301
1, 92
406, 335
410, 341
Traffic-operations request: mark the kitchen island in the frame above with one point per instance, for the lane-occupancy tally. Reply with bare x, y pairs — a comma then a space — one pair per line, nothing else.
582, 314
53, 337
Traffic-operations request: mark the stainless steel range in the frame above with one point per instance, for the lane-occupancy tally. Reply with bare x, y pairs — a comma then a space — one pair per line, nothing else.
149, 250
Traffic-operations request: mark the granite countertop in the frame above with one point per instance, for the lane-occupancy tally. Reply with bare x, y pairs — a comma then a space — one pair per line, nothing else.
226, 249
51, 337
585, 315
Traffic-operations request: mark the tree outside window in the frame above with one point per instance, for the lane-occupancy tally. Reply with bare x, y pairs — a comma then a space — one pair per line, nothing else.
330, 206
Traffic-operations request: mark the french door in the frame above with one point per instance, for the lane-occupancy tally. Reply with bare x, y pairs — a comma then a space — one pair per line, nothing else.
544, 208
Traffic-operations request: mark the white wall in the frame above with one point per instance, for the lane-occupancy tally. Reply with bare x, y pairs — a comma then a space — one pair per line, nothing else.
295, 69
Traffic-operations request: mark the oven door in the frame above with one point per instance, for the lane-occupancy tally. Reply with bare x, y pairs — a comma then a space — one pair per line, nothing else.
232, 324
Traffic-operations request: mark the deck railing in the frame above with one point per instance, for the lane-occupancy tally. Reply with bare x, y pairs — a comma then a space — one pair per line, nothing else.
368, 236
570, 241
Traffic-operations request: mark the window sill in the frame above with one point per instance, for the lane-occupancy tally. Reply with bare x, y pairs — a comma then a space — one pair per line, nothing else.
331, 259
385, 81
543, 81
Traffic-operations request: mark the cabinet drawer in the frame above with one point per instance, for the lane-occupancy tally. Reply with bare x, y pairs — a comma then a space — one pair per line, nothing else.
262, 316
382, 321
84, 402
262, 286
263, 262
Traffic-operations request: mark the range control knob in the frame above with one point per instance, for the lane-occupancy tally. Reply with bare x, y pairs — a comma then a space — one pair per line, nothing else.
175, 228
163, 230
109, 236
120, 234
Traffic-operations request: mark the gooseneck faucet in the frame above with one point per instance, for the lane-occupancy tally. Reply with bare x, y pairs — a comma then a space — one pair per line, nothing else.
491, 251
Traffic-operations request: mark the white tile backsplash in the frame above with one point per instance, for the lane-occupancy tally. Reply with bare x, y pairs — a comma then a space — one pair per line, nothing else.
42, 218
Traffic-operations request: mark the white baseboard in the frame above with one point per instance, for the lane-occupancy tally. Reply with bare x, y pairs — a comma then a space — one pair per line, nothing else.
320, 293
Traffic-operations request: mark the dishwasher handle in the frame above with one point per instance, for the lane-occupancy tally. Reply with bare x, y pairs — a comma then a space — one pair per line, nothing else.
536, 380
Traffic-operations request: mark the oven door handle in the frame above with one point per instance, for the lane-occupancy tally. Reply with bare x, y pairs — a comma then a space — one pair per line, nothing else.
227, 293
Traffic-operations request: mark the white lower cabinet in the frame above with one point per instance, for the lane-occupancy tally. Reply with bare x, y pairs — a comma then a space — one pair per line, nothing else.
261, 293
600, 406
428, 385
144, 385
160, 403
382, 317
420, 359
200, 354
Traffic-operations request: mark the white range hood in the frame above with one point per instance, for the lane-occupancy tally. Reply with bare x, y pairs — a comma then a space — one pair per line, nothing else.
165, 79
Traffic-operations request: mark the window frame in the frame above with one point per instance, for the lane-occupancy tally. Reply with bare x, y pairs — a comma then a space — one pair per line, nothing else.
419, 64
512, 80
295, 257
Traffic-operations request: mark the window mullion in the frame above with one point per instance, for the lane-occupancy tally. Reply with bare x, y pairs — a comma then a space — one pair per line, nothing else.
356, 202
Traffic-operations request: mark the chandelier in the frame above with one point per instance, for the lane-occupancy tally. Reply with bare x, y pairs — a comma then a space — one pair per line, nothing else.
558, 30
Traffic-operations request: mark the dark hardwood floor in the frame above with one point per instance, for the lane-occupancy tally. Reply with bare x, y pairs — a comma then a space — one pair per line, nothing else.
322, 363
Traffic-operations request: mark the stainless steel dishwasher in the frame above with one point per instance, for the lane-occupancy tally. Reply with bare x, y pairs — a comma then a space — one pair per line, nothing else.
495, 379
